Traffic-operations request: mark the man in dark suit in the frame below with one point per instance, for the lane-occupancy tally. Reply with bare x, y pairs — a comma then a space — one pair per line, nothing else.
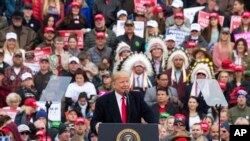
110, 108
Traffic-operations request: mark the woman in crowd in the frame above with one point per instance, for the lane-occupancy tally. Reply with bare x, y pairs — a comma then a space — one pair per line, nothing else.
13, 100
193, 114
74, 20
240, 53
55, 8
169, 125
159, 17
212, 31
85, 11
81, 84
72, 45
10, 47
223, 49
244, 26
152, 31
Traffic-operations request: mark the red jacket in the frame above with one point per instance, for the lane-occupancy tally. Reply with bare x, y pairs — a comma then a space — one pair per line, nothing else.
37, 8
4, 91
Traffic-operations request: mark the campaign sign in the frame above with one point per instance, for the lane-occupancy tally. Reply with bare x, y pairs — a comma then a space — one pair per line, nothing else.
54, 110
239, 132
139, 4
65, 34
179, 34
245, 35
203, 19
190, 12
235, 22
33, 63
139, 28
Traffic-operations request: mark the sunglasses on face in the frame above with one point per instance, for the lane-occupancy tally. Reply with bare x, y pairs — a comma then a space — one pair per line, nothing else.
179, 124
24, 133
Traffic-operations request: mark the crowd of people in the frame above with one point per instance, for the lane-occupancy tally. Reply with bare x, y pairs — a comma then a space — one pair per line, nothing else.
133, 62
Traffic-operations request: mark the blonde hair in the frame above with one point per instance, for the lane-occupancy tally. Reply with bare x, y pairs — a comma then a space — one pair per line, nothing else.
156, 31
241, 121
46, 6
13, 97
166, 122
228, 44
5, 46
119, 74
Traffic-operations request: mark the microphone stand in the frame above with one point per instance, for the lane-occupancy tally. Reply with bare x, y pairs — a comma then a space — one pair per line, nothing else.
47, 105
219, 108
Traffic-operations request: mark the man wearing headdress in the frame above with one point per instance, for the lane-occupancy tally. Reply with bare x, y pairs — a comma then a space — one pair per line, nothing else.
157, 53
177, 64
141, 71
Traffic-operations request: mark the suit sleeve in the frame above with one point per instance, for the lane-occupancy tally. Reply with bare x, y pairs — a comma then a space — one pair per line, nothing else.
98, 115
146, 112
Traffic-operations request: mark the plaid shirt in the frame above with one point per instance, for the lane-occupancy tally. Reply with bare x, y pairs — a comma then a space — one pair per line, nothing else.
12, 79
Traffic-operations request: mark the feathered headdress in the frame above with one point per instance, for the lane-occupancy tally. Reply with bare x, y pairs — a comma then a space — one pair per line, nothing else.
204, 66
129, 63
122, 46
152, 42
180, 52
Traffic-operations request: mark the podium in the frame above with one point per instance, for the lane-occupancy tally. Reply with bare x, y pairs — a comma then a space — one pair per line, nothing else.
128, 132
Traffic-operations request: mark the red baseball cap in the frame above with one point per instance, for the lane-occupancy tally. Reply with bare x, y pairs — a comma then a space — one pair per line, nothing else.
149, 3
80, 120
179, 15
6, 130
239, 68
41, 133
223, 85
157, 9
181, 139
214, 15
99, 16
245, 15
100, 35
190, 44
74, 3
204, 126
49, 29
31, 102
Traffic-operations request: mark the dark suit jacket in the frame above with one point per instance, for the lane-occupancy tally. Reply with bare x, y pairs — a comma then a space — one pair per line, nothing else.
107, 110
171, 108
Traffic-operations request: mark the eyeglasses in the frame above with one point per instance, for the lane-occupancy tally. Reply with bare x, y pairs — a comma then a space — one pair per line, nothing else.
25, 133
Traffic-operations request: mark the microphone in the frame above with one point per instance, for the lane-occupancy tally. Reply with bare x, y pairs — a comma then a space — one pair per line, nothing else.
126, 92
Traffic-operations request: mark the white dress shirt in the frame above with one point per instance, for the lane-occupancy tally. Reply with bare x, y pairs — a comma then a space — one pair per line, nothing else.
140, 80
119, 101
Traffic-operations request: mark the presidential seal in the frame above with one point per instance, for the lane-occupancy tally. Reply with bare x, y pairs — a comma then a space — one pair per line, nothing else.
128, 135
